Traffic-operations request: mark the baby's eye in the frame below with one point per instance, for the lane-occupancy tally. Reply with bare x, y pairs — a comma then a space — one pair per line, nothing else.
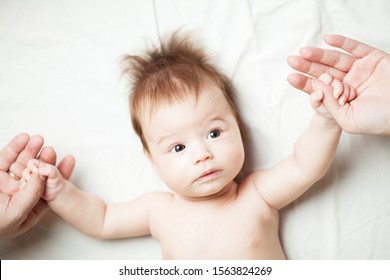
177, 148
214, 134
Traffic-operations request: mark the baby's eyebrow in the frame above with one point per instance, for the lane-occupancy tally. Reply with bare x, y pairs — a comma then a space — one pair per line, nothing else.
165, 137
170, 135
217, 118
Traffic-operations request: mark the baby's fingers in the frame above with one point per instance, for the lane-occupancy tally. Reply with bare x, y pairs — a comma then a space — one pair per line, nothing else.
352, 93
348, 94
46, 170
326, 78
38, 166
26, 175
32, 165
341, 91
338, 88
335, 83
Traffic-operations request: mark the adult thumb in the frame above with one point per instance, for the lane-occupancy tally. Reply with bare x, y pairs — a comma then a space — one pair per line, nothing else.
26, 198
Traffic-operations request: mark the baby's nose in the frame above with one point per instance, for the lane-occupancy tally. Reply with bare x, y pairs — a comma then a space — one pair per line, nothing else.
201, 154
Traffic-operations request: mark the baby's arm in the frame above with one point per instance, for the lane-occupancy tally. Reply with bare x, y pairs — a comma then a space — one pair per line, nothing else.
89, 213
312, 155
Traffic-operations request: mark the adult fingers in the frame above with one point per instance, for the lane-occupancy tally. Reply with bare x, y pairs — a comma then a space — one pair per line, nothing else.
66, 166
333, 58
11, 151
48, 155
352, 46
26, 198
30, 151
313, 68
300, 82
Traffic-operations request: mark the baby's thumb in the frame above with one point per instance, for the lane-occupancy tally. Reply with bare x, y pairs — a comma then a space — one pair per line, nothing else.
338, 112
318, 84
28, 196
316, 99
329, 101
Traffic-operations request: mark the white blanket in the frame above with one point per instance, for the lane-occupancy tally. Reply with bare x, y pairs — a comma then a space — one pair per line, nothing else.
60, 77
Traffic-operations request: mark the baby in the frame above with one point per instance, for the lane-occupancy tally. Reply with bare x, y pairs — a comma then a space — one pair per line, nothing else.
184, 112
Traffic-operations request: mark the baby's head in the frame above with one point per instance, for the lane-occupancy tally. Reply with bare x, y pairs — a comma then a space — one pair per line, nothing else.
183, 109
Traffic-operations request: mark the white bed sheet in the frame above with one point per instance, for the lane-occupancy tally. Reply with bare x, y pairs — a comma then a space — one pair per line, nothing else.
60, 77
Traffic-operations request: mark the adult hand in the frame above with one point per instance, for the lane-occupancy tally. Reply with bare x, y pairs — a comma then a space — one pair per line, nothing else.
364, 68
21, 209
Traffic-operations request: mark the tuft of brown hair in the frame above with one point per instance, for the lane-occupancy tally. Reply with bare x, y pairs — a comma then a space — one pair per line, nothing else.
170, 72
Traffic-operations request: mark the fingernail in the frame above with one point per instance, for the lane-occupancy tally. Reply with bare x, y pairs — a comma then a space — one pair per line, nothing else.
337, 90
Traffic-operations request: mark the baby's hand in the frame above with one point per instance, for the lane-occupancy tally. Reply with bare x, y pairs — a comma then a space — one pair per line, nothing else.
48, 172
32, 167
341, 91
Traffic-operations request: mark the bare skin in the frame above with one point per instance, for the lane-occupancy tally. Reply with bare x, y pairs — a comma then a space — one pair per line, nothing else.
361, 69
21, 209
237, 225
196, 149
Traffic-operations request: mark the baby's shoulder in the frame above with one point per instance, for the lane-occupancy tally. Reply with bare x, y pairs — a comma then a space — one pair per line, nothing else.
249, 182
247, 188
158, 198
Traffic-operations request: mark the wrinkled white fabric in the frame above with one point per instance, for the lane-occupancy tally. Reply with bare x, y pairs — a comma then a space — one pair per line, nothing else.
60, 77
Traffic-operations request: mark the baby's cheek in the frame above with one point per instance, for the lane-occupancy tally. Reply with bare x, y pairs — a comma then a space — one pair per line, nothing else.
173, 174
235, 154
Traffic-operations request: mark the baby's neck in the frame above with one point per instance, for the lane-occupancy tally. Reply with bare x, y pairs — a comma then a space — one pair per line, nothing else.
227, 193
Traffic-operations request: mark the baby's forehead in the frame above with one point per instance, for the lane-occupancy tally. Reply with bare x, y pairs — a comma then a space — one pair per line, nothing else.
151, 108
186, 104
151, 103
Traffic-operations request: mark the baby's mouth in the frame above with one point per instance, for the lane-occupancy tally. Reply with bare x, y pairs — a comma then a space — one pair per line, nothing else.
209, 175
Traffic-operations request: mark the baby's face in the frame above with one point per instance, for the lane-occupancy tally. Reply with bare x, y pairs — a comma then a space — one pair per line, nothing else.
195, 146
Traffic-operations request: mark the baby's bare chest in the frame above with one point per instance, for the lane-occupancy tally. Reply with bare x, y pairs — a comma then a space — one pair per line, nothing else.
237, 231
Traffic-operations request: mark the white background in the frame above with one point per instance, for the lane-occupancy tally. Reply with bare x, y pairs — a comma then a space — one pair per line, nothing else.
60, 77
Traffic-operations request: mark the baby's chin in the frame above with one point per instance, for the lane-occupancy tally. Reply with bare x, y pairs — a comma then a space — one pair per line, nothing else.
209, 194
